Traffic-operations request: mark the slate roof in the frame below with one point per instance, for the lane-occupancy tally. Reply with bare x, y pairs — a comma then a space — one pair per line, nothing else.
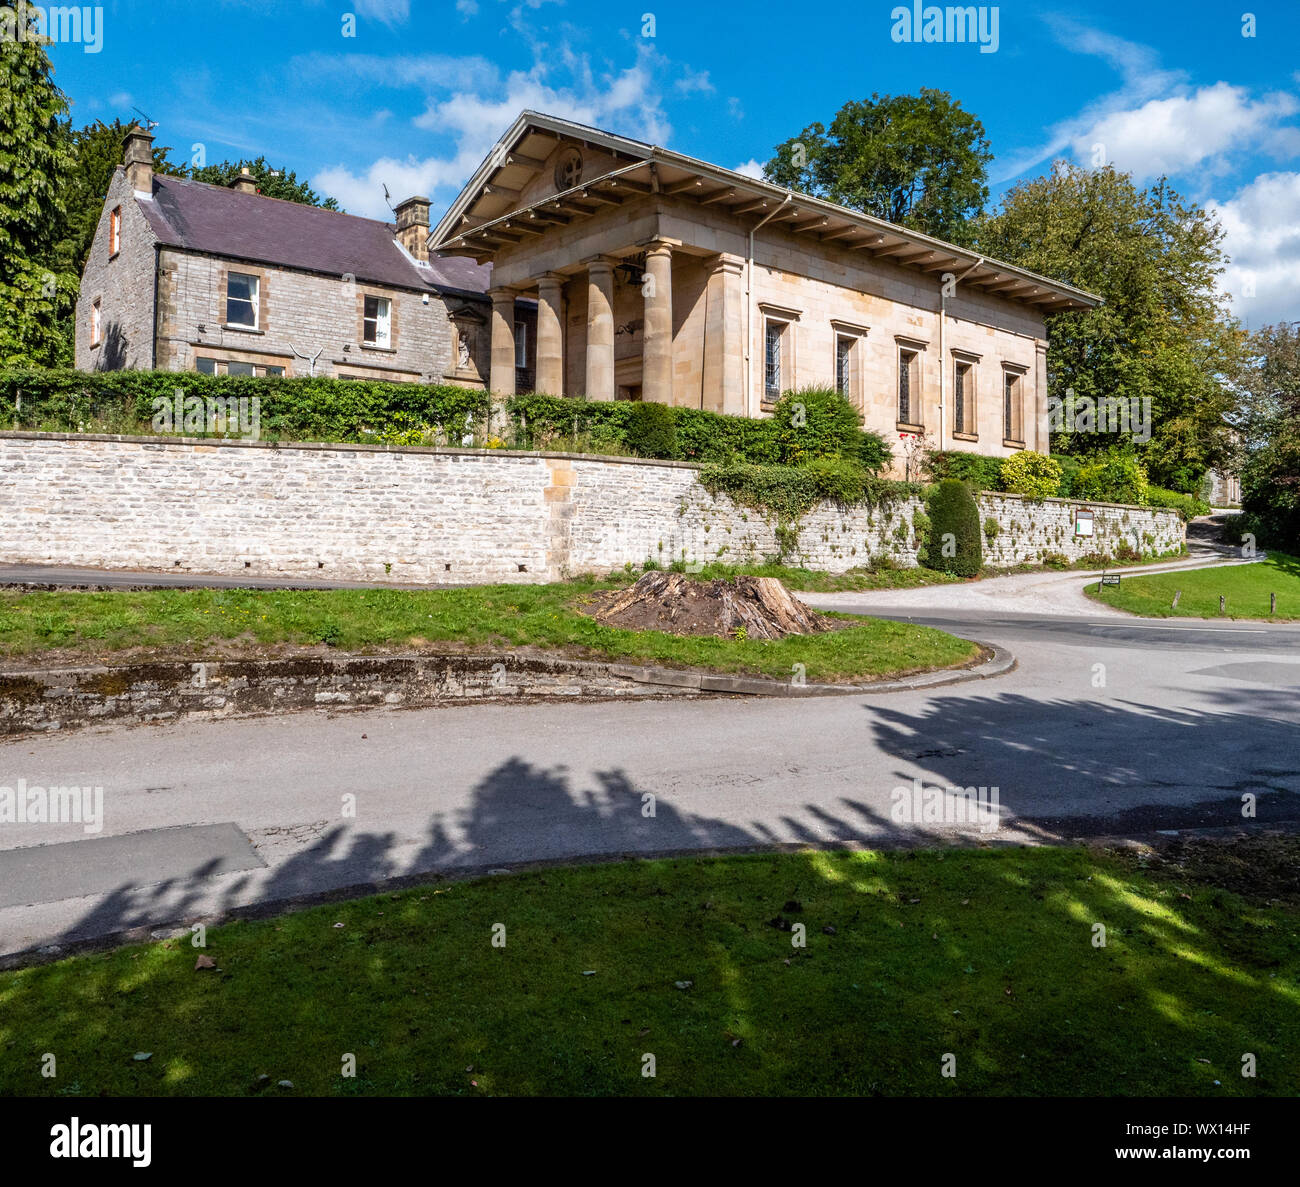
217, 221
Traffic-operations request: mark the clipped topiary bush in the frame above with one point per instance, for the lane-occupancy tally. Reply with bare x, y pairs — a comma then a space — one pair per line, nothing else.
1034, 475
954, 542
650, 431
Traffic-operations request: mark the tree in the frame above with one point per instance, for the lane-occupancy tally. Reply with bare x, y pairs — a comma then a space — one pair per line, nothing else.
34, 162
1267, 419
953, 544
1164, 332
96, 151
916, 160
271, 183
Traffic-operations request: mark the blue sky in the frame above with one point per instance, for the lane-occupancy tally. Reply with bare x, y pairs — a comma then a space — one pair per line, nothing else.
424, 88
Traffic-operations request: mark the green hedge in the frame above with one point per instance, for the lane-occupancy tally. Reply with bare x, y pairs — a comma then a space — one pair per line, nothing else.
978, 471
306, 409
321, 409
1187, 506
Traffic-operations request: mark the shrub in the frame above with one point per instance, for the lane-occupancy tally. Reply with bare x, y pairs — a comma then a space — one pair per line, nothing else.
1187, 506
650, 431
1114, 478
816, 422
1069, 472
991, 529
974, 469
954, 543
1034, 475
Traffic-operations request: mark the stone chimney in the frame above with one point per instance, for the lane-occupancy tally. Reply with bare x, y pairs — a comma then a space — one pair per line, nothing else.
139, 159
245, 183
413, 226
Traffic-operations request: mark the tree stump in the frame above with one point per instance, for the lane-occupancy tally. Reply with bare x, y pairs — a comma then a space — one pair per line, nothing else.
761, 607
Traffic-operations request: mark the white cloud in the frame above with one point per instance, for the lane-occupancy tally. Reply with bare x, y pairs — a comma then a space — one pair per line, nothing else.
751, 168
390, 12
467, 8
1199, 130
694, 80
472, 105
1262, 237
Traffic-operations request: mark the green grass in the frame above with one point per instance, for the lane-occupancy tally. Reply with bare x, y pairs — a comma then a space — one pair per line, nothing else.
987, 955
1246, 587
483, 617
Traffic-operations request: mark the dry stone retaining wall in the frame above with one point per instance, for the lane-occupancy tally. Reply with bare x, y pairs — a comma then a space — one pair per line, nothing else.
372, 513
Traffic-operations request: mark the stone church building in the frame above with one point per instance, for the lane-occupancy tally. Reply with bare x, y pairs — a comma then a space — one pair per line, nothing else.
581, 263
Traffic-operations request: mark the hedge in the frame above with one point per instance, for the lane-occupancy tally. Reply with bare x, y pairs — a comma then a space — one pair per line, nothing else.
954, 544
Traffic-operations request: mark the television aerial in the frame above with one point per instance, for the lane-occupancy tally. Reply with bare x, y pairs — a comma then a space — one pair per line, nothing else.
149, 125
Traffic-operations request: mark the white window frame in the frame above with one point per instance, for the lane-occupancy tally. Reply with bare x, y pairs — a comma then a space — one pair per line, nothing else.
114, 232
255, 300
96, 322
382, 321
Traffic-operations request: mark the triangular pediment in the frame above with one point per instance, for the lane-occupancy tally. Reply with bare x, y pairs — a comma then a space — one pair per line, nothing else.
538, 157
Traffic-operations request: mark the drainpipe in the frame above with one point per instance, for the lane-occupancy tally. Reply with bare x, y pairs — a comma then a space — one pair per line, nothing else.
749, 300
943, 347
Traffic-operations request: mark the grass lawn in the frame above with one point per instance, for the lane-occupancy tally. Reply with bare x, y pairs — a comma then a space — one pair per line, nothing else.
984, 954
1247, 588
61, 627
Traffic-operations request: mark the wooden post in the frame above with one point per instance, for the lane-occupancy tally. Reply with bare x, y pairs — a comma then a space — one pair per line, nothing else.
1272, 603
1178, 593
1222, 602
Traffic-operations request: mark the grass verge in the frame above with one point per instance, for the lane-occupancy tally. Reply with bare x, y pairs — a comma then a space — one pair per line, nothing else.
1246, 588
63, 627
987, 955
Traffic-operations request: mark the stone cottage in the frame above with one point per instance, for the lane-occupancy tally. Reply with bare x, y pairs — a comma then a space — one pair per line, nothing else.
184, 276
661, 277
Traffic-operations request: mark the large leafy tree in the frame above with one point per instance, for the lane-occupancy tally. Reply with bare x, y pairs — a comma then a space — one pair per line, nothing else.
1268, 421
96, 151
1164, 332
34, 162
916, 160
271, 182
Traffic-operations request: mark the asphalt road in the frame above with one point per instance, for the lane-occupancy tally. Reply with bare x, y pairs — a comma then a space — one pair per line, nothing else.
1108, 725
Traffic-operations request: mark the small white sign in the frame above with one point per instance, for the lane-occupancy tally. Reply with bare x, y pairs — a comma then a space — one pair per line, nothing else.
1083, 523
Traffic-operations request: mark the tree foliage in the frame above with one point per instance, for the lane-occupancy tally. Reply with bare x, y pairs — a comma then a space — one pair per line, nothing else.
1268, 421
34, 162
916, 160
1163, 334
271, 182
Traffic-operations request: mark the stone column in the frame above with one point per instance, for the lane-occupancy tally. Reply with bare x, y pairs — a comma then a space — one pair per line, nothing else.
550, 351
600, 328
502, 378
724, 337
657, 351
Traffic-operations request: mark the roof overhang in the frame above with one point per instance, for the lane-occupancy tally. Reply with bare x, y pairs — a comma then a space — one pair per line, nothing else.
654, 170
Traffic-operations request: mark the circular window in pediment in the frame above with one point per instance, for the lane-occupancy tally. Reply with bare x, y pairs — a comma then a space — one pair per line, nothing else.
568, 169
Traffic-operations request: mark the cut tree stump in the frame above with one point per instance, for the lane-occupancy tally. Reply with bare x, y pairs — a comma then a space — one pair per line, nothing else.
760, 606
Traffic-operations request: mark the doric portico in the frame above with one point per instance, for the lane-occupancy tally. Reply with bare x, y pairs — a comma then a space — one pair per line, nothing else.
663, 278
